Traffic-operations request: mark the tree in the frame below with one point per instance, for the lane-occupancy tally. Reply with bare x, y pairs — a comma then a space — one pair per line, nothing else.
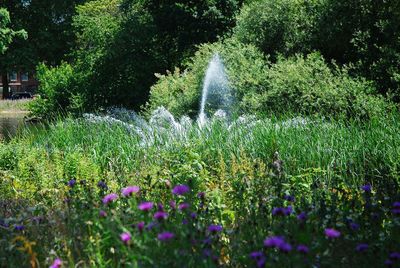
50, 35
6, 37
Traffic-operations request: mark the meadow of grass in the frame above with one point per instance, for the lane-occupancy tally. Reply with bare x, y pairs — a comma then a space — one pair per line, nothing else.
300, 192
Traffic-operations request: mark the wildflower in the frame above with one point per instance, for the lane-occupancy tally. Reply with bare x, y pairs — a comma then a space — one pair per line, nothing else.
160, 207
273, 241
109, 198
19, 227
201, 195
102, 213
102, 185
183, 206
130, 190
151, 225
125, 237
165, 236
366, 188
160, 215
362, 247
289, 198
193, 215
388, 263
71, 183
172, 204
394, 256
214, 228
396, 208
303, 249
332, 233
145, 206
282, 211
56, 263
302, 216
140, 226
259, 257
277, 242
180, 189
354, 226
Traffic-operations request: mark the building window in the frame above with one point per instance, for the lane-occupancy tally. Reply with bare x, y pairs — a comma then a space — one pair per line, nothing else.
13, 76
24, 76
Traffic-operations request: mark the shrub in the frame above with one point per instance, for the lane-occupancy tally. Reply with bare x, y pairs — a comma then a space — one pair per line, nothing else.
180, 92
299, 85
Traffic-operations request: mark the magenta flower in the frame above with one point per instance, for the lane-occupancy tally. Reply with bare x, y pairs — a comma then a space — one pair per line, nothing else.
165, 236
56, 263
180, 189
145, 206
160, 215
303, 249
183, 206
172, 204
109, 198
125, 237
214, 228
140, 226
332, 233
102, 213
259, 257
128, 191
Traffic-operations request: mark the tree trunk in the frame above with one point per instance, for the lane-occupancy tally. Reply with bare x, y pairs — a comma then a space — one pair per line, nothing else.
6, 88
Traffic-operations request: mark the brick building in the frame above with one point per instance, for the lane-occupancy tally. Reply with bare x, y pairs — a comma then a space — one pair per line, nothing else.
20, 82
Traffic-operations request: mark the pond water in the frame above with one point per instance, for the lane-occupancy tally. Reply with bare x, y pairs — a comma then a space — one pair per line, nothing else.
10, 125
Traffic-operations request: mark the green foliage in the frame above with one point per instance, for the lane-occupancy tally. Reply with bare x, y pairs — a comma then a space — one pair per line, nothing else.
180, 91
7, 34
309, 86
296, 85
56, 89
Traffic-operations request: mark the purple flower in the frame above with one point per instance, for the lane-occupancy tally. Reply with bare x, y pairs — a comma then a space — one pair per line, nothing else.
366, 188
396, 208
289, 198
183, 206
362, 247
130, 190
145, 206
172, 204
109, 198
160, 207
332, 233
354, 226
56, 263
201, 195
273, 241
165, 236
214, 228
71, 183
302, 249
125, 237
259, 257
388, 263
193, 215
180, 189
19, 227
160, 215
394, 256
282, 211
277, 242
102, 185
302, 216
102, 213
140, 226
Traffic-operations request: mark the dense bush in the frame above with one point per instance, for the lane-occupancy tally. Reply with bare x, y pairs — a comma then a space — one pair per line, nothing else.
363, 33
300, 85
